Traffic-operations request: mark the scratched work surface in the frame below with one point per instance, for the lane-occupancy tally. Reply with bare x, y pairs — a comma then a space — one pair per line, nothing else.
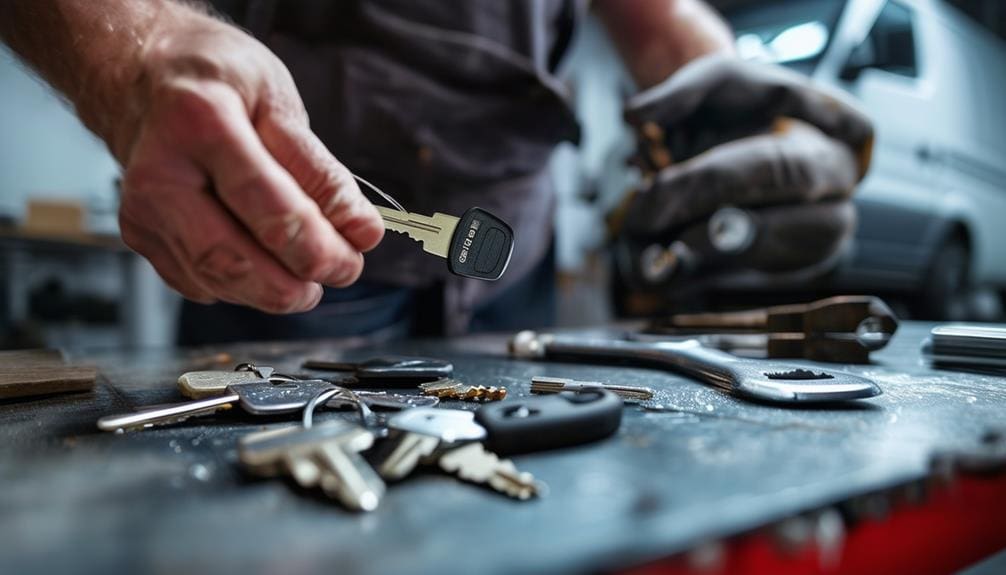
172, 500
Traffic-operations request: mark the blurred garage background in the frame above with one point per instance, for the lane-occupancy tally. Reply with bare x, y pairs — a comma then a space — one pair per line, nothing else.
932, 74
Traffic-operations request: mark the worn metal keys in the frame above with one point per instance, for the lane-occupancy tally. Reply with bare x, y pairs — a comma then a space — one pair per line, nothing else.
325, 456
450, 439
257, 397
476, 245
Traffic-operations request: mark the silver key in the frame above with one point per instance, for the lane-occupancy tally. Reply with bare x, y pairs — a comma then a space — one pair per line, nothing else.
418, 432
434, 232
542, 384
325, 456
259, 398
472, 462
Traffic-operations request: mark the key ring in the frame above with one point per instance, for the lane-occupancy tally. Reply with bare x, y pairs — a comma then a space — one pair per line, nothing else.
367, 417
266, 373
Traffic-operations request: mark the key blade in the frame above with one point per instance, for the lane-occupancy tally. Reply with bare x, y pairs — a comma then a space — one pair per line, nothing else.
409, 449
472, 462
434, 232
349, 478
165, 415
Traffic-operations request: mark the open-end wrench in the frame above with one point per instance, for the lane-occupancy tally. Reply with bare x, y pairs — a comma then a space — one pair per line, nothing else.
769, 381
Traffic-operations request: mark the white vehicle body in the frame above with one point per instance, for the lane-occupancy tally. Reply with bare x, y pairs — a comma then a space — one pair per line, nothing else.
938, 175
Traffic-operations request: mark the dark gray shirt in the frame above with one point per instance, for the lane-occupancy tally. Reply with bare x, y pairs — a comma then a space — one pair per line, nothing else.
444, 104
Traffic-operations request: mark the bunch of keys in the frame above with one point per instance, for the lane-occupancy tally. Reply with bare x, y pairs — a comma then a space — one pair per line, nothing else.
472, 445
454, 389
204, 384
258, 391
325, 456
259, 397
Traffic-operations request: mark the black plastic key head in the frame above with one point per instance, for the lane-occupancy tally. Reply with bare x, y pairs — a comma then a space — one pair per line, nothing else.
481, 246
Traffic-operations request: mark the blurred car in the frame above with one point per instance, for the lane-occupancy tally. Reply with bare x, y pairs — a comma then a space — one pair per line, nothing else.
932, 209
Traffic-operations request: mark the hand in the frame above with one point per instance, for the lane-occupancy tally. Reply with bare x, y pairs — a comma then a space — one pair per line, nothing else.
227, 191
723, 132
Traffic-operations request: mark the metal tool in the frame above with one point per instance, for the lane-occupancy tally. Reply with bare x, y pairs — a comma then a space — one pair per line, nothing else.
981, 347
542, 384
763, 380
839, 329
476, 245
325, 456
257, 398
390, 371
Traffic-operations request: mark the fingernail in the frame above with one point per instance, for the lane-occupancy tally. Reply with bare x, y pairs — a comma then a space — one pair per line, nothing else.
313, 297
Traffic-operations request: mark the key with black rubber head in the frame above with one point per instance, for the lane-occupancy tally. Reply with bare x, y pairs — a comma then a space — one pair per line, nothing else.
476, 245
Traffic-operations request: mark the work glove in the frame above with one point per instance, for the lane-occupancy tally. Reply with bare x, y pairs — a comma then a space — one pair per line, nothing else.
748, 174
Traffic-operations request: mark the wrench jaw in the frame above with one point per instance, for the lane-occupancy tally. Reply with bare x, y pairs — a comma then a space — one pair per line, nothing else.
836, 386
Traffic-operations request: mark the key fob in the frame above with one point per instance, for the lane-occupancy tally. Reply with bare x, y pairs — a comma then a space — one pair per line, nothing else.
481, 246
265, 398
402, 371
550, 422
390, 371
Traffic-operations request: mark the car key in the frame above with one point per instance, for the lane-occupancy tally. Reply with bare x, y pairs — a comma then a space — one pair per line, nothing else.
457, 440
325, 456
477, 245
418, 432
763, 380
258, 398
549, 422
390, 371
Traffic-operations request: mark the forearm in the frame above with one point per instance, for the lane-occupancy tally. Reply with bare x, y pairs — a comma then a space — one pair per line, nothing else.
657, 37
90, 52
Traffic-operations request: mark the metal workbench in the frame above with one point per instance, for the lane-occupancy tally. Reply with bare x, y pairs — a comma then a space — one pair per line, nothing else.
707, 466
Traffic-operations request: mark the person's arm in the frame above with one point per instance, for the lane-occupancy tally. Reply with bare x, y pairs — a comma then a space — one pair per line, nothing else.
657, 37
226, 191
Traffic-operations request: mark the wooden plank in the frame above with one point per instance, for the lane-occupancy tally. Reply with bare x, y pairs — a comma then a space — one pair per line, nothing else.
41, 372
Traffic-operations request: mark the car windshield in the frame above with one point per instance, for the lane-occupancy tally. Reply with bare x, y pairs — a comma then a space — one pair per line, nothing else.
790, 32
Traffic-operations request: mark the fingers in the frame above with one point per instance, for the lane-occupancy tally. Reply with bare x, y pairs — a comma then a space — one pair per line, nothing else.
257, 190
797, 164
167, 196
720, 86
159, 255
325, 180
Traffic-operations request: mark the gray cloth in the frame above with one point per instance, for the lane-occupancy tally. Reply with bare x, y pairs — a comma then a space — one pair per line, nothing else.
445, 105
